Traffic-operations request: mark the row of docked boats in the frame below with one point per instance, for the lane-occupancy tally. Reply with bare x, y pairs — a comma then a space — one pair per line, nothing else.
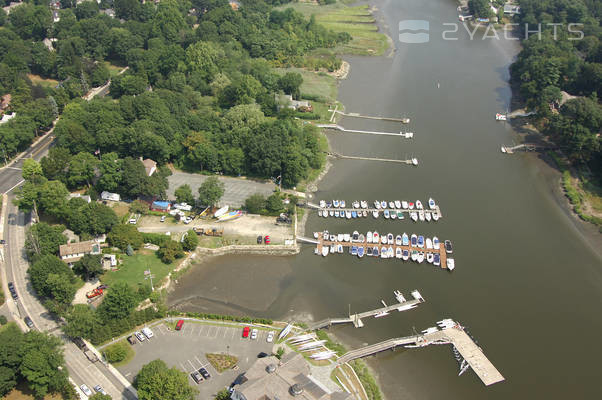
416, 215
379, 204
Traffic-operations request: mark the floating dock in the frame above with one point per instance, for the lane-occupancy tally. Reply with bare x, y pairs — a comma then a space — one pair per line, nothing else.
405, 211
356, 319
455, 335
347, 245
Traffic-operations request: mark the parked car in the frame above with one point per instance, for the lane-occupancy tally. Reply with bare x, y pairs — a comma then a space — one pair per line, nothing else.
13, 291
79, 343
131, 340
147, 332
163, 218
140, 336
28, 322
86, 390
262, 355
2, 241
254, 334
245, 332
205, 373
133, 221
196, 376
99, 389
266, 239
270, 337
179, 324
259, 239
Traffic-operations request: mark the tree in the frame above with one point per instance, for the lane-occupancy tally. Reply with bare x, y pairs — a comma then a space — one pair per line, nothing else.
81, 321
290, 83
184, 194
45, 266
54, 166
44, 239
211, 191
8, 379
116, 352
99, 396
91, 218
274, 203
89, 266
110, 172
156, 381
170, 250
139, 207
255, 203
62, 291
124, 235
52, 198
31, 22
223, 395
81, 170
133, 177
119, 302
191, 241
479, 8
31, 169
86, 9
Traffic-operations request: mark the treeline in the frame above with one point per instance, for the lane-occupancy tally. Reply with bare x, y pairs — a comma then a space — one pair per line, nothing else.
564, 61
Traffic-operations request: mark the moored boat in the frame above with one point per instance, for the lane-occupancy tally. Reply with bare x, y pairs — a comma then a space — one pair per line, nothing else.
361, 238
391, 252
448, 247
386, 213
346, 237
414, 255
342, 203
369, 251
421, 215
360, 251
393, 215
391, 204
404, 204
383, 239
420, 241
325, 250
404, 239
383, 204
411, 205
436, 259
451, 264
429, 258
335, 203
375, 251
428, 216
353, 250
398, 252
340, 248
355, 236
400, 215
365, 213
369, 237
419, 204
397, 204
336, 213
375, 237
431, 203
414, 161
384, 253
436, 216
390, 238
322, 204
420, 257
340, 237
348, 214
375, 214
331, 213
436, 244
356, 204
353, 214
377, 204
414, 216
429, 243
414, 240
405, 255
398, 240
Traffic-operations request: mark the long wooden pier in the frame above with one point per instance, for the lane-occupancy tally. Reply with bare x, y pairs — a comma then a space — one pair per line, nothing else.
406, 135
356, 319
455, 335
337, 155
326, 242
357, 115
404, 211
524, 146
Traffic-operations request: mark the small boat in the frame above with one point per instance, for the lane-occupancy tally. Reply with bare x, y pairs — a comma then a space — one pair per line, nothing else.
436, 259
431, 203
393, 215
375, 251
419, 204
390, 238
450, 264
361, 238
500, 117
325, 250
333, 238
346, 237
387, 215
375, 237
436, 216
414, 255
331, 213
384, 253
322, 204
391, 204
320, 213
398, 252
503, 149
316, 235
404, 239
369, 237
333, 248
354, 236
427, 216
328, 204
364, 213
353, 214
414, 240
414, 161
429, 243
325, 213
342, 203
429, 258
354, 250
369, 251
348, 214
397, 204
400, 215
448, 247
377, 204
398, 240
335, 203
411, 205
383, 239
383, 204
287, 329
360, 252
355, 204
420, 241
375, 214
364, 204
421, 215
340, 248
420, 257
231, 215
391, 252
405, 255
340, 237
336, 214
404, 205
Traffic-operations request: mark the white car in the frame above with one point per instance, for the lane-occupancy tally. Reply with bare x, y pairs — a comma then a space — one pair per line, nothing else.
254, 333
140, 336
270, 337
147, 332
86, 390
163, 218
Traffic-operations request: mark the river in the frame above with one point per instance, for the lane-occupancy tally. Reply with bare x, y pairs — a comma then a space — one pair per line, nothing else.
526, 283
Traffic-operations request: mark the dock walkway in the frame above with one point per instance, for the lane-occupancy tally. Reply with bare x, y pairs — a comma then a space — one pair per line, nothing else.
337, 155
356, 115
406, 135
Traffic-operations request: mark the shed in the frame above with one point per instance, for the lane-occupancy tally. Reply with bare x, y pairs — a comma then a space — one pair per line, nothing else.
110, 196
160, 206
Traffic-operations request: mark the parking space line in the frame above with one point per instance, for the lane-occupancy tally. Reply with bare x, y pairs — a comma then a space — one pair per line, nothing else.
209, 330
217, 332
225, 332
192, 366
183, 367
199, 361
233, 332
201, 330
192, 330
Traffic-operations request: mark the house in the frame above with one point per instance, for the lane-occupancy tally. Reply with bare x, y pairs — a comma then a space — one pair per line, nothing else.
5, 102
7, 117
511, 9
286, 100
109, 11
110, 196
269, 379
234, 5
162, 206
84, 197
72, 252
149, 165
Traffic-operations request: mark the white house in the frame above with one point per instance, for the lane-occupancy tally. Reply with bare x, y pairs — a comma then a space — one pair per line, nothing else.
110, 196
72, 252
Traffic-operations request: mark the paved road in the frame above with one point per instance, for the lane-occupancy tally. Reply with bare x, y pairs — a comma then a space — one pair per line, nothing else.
80, 368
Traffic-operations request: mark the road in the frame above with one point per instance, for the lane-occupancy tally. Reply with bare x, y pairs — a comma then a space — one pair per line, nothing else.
80, 368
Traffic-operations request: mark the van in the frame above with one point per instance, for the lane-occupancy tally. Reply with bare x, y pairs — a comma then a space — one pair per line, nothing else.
147, 332
179, 325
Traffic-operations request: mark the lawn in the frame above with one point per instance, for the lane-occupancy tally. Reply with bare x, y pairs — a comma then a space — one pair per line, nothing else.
129, 352
22, 392
120, 208
132, 269
318, 84
221, 362
113, 69
38, 80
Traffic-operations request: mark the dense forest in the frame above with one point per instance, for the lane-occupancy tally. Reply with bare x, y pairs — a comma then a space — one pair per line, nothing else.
199, 90
569, 62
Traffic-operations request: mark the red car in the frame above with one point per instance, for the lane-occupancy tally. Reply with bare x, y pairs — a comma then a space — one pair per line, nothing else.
266, 240
245, 332
179, 325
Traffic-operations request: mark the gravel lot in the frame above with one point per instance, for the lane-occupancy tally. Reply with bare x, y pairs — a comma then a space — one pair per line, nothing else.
186, 351
236, 189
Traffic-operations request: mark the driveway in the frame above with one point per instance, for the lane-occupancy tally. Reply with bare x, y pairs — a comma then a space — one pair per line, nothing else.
237, 190
186, 350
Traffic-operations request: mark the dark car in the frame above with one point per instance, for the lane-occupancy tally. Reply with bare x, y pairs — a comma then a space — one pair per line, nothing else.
79, 342
205, 373
262, 355
28, 322
196, 377
2, 241
12, 290
131, 340
259, 239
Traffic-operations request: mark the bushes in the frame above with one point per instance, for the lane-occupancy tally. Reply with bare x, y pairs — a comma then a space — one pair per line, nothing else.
116, 327
217, 317
116, 352
170, 251
158, 239
123, 235
191, 241
368, 381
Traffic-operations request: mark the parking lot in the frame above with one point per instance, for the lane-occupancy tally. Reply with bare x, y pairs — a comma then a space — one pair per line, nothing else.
186, 349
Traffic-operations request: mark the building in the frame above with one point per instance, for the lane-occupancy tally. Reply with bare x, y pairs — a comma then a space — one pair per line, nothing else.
84, 197
72, 252
110, 196
162, 206
511, 9
285, 379
7, 117
150, 166
286, 100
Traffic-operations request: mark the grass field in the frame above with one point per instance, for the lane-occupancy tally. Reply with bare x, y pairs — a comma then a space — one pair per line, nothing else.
315, 83
38, 80
357, 21
130, 353
113, 69
132, 269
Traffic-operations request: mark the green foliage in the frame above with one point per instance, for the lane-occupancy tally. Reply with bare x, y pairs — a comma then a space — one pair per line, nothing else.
52, 278
367, 380
99, 396
274, 203
191, 241
44, 239
3, 320
290, 83
332, 345
31, 169
124, 235
255, 204
480, 8
223, 394
91, 218
279, 352
220, 317
81, 321
119, 302
158, 239
170, 251
156, 381
116, 352
89, 266
184, 194
211, 191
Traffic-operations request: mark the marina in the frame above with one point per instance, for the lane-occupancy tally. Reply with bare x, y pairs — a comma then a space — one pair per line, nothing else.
453, 333
356, 319
402, 247
392, 210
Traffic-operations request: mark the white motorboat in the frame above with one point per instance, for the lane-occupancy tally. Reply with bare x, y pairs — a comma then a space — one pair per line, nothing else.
398, 252
393, 214
356, 204
419, 204
414, 255
436, 216
377, 204
369, 237
364, 213
405, 255
335, 203
420, 257
414, 161
331, 213
405, 239
361, 238
355, 236
427, 216
436, 259
337, 214
342, 203
416, 295
398, 240
387, 214
391, 252
375, 237
411, 205
414, 216
421, 215
383, 204
500, 117
325, 251
340, 248
429, 258
333, 248
383, 239
399, 296
397, 204
451, 264
316, 235
348, 214
429, 243
320, 212
404, 205
287, 329
333, 238
431, 203
375, 214
381, 314
364, 204
340, 237
384, 253
322, 203
390, 238
391, 204
430, 330
346, 237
